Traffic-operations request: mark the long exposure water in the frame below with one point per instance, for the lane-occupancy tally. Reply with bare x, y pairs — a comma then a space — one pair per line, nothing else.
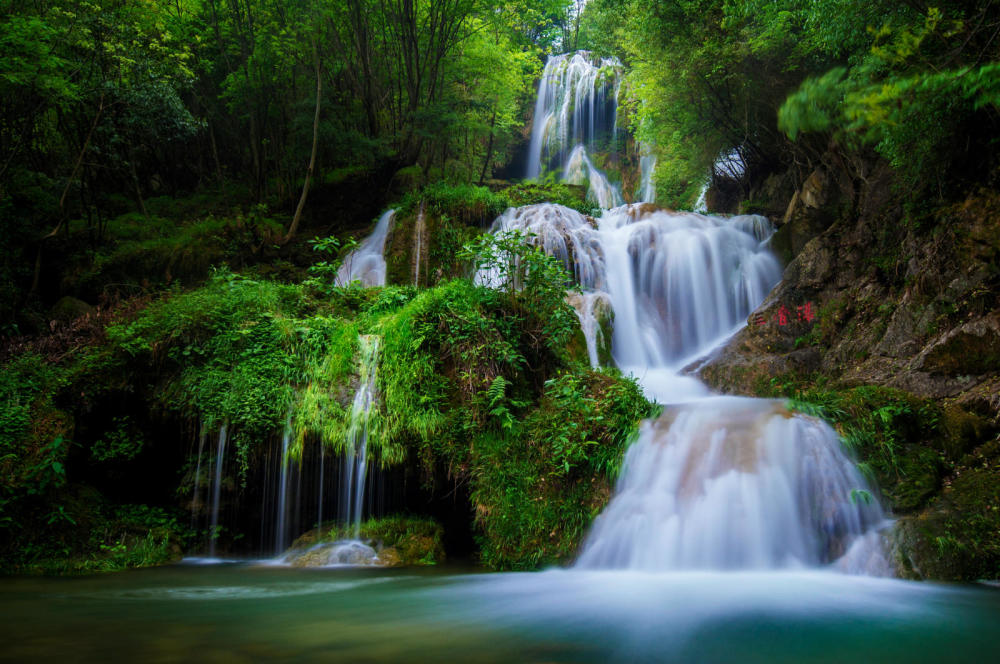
734, 534
237, 613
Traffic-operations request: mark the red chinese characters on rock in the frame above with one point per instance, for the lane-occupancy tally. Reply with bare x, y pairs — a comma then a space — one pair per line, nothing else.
804, 313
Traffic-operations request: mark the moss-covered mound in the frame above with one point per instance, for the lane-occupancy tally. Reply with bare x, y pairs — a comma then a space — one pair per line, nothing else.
481, 397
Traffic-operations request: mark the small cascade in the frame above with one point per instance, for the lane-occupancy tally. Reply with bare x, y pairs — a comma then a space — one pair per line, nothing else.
322, 473
220, 456
367, 263
196, 503
281, 527
576, 116
701, 203
356, 451
580, 170
732, 483
419, 231
591, 308
353, 474
647, 166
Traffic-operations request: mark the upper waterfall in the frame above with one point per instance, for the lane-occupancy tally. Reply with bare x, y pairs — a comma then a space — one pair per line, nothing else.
576, 117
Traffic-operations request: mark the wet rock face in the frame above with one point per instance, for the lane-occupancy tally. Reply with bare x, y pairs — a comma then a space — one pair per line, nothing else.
890, 306
973, 348
812, 209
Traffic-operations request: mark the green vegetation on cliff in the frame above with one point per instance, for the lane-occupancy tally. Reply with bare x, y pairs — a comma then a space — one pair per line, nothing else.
477, 387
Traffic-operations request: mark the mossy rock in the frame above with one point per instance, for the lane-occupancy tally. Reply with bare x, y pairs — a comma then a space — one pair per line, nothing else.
963, 430
958, 537
68, 309
918, 478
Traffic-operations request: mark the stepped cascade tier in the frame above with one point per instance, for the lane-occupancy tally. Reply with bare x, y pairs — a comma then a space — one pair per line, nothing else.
715, 482
734, 483
678, 282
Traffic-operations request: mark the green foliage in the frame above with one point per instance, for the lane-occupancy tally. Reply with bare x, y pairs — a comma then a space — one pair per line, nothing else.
905, 96
525, 273
538, 487
238, 350
586, 420
531, 193
120, 442
466, 203
34, 435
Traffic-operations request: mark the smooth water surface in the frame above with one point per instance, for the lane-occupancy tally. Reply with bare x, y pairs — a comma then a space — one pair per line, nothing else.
239, 613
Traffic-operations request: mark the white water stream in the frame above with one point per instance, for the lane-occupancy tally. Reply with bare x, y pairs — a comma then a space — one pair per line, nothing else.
715, 482
220, 457
367, 263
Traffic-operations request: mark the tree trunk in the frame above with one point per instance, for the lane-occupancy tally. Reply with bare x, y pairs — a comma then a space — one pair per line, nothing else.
62, 199
489, 149
312, 157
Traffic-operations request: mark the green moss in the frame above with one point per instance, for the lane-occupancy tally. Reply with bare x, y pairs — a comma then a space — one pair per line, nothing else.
958, 537
897, 437
530, 193
154, 251
536, 489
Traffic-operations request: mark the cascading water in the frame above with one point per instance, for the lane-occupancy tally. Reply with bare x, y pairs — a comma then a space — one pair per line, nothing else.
647, 166
196, 502
354, 472
678, 283
716, 482
281, 529
367, 263
419, 230
731, 483
220, 457
356, 451
575, 117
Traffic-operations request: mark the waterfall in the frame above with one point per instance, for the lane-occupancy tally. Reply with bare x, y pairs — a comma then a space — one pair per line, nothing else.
647, 166
731, 483
322, 463
701, 203
367, 263
281, 530
356, 451
419, 230
678, 283
576, 115
580, 170
220, 456
715, 482
196, 504
354, 473
587, 307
